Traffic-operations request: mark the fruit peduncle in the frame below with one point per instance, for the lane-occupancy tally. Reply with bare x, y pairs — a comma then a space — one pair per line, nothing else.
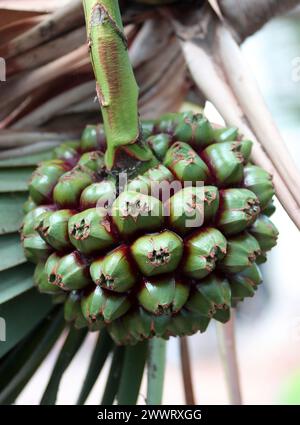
116, 86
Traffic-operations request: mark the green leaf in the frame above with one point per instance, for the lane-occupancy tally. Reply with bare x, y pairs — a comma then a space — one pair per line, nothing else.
102, 349
114, 376
21, 315
8, 366
11, 251
156, 370
27, 160
13, 361
132, 373
15, 281
15, 179
22, 362
71, 346
11, 211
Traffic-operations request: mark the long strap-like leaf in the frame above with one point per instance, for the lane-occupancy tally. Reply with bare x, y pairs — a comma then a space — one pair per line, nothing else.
16, 309
26, 160
72, 344
15, 281
15, 179
114, 376
132, 373
102, 349
11, 251
21, 363
156, 370
11, 211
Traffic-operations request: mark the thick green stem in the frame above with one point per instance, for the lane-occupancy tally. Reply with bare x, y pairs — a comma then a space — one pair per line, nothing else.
132, 373
156, 370
116, 86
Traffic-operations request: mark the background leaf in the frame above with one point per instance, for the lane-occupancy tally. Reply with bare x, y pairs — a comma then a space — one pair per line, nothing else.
20, 365
15, 179
11, 211
15, 281
27, 160
11, 251
102, 349
114, 376
68, 351
21, 315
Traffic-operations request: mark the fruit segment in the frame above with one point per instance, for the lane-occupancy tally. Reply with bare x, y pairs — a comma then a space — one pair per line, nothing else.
186, 164
134, 211
90, 231
163, 296
157, 253
53, 228
202, 251
114, 271
239, 209
192, 207
226, 161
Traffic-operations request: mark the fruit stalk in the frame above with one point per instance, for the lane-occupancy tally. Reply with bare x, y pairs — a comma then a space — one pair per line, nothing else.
156, 370
116, 87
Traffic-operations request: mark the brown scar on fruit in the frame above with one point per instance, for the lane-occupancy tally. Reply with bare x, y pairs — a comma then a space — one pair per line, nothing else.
107, 280
252, 256
164, 309
211, 311
42, 229
210, 259
236, 149
189, 156
81, 230
159, 257
134, 209
251, 209
209, 197
193, 124
56, 279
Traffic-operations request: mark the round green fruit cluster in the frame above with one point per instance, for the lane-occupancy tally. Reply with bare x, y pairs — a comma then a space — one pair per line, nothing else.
179, 245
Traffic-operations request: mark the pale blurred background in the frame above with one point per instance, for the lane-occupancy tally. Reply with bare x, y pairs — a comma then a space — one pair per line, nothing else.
268, 326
